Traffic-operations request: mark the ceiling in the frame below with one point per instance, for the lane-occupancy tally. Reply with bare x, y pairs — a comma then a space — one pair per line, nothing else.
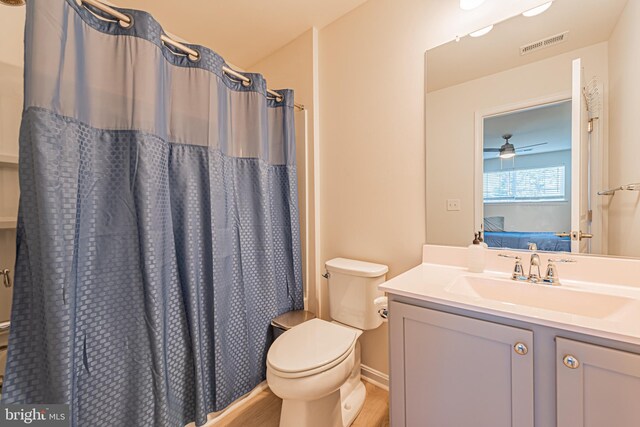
242, 31
550, 124
588, 22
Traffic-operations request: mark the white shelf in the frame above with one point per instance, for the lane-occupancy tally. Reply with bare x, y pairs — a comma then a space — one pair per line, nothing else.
8, 159
7, 223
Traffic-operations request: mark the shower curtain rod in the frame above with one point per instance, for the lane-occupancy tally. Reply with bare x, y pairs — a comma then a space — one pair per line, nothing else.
126, 21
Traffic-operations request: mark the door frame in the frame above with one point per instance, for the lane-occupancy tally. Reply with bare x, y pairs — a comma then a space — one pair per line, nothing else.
577, 104
480, 115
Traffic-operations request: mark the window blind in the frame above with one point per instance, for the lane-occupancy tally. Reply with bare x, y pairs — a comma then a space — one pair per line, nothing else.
537, 184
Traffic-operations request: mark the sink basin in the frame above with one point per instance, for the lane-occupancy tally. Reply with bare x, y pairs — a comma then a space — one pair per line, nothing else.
555, 298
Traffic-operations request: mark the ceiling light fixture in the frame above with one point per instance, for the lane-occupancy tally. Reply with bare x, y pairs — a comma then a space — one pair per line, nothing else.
537, 10
508, 151
470, 4
482, 31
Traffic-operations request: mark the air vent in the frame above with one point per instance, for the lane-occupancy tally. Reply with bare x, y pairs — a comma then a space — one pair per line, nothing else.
544, 43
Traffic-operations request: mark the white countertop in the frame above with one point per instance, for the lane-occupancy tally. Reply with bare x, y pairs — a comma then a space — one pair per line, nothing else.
433, 283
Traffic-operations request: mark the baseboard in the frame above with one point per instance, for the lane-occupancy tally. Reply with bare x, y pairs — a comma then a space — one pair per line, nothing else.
375, 377
216, 417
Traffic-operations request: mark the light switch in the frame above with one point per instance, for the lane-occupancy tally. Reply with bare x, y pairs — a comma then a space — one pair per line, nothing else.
453, 204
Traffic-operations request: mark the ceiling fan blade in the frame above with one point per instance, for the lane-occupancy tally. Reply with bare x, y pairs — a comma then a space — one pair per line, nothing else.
530, 146
491, 150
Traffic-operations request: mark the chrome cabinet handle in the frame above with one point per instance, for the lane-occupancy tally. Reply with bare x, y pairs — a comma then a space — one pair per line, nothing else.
571, 362
520, 348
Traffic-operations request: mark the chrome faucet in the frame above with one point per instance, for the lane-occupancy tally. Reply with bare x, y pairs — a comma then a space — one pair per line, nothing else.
551, 277
518, 270
534, 268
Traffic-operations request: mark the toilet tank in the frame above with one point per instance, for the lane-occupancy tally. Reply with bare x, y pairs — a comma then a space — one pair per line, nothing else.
353, 285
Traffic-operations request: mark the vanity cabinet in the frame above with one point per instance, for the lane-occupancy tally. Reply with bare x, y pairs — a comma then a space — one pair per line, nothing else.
596, 386
453, 367
459, 371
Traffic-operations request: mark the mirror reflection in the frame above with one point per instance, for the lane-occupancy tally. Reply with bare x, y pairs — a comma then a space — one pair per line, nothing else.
530, 136
527, 178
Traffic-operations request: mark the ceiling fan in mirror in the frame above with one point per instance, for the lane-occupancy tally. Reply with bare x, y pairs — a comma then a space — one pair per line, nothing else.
508, 150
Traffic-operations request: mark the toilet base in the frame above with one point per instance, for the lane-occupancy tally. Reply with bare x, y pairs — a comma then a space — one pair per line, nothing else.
352, 404
353, 392
296, 413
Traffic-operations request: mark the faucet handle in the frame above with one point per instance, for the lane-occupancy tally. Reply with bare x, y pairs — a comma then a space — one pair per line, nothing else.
516, 257
551, 275
518, 270
532, 246
561, 260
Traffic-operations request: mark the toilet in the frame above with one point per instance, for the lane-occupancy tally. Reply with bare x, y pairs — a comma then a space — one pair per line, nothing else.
315, 367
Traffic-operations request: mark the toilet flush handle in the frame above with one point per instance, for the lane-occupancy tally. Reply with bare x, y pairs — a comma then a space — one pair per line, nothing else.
326, 275
382, 307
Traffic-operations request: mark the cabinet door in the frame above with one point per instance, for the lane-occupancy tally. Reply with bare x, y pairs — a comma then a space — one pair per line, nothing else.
600, 388
449, 370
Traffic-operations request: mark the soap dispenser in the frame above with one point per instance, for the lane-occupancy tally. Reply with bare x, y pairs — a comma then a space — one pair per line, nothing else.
476, 255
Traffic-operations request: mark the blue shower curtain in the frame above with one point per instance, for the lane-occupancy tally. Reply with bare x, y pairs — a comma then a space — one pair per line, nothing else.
158, 225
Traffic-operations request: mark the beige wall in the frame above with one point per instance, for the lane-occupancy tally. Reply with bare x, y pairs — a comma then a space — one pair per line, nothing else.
292, 66
624, 147
450, 129
10, 115
372, 167
12, 31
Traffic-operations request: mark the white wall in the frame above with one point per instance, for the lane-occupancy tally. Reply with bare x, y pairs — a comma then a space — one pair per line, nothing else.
624, 142
450, 132
539, 216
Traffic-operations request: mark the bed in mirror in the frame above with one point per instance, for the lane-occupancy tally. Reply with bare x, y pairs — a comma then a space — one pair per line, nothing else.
530, 132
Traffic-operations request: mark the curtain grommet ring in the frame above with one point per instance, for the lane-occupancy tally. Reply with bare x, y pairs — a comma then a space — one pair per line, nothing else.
246, 83
195, 58
279, 99
124, 24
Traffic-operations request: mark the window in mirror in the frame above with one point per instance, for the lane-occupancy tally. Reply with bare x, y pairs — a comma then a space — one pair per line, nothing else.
525, 185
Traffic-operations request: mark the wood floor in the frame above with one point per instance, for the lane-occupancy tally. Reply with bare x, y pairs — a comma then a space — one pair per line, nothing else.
264, 411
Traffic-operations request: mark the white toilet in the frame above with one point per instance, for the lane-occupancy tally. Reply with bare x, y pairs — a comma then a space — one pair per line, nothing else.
315, 366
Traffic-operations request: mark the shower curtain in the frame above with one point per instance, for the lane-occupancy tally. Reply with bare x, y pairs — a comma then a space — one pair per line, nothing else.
158, 226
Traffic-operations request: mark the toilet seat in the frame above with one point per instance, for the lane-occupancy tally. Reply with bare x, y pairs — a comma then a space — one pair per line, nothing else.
310, 348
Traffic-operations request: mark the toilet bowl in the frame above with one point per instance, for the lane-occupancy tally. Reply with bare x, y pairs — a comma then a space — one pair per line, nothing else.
315, 366
306, 368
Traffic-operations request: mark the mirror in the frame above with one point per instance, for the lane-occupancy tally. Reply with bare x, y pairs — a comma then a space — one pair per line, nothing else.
530, 132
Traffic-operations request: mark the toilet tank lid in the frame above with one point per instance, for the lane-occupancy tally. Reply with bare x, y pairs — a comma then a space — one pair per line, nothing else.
356, 268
